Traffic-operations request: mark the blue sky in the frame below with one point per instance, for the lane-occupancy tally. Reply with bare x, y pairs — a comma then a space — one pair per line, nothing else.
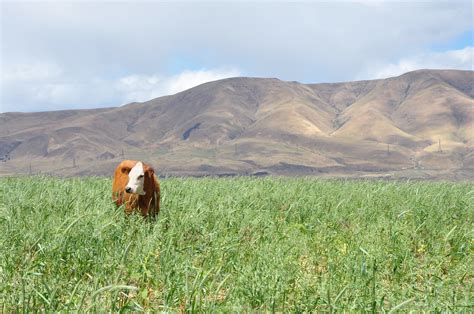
60, 55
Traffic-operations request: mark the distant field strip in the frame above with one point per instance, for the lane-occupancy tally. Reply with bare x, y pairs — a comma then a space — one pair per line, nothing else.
239, 244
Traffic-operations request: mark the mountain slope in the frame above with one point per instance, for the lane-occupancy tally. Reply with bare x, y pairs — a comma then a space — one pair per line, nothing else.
419, 124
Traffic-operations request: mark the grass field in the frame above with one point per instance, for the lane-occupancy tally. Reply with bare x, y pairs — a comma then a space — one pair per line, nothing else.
240, 244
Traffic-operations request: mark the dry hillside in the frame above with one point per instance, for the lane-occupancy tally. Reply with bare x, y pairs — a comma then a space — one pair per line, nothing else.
419, 125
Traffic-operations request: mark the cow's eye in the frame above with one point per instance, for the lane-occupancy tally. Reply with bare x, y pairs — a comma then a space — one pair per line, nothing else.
140, 176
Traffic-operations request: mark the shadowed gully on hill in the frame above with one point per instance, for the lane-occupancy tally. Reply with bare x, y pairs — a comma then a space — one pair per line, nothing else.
420, 124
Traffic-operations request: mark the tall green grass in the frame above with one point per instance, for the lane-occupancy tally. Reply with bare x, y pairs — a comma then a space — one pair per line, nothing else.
240, 244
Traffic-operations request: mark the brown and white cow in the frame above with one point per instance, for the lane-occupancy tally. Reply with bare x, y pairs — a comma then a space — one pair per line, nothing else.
136, 186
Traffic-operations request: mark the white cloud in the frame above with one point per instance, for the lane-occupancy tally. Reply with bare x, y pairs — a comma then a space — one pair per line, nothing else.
462, 59
188, 79
145, 87
30, 71
39, 91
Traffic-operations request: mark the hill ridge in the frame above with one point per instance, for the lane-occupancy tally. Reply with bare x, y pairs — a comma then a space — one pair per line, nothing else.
417, 124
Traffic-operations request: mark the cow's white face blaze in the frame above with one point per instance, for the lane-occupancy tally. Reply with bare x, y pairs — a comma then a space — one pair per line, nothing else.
136, 179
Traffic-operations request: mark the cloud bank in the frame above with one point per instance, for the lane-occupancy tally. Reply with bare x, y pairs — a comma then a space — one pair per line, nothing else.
146, 87
461, 59
43, 84
57, 55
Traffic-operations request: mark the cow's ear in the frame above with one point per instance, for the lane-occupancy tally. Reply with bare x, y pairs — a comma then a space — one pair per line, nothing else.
148, 170
126, 170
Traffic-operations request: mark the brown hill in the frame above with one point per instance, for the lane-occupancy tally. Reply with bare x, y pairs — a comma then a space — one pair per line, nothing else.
420, 124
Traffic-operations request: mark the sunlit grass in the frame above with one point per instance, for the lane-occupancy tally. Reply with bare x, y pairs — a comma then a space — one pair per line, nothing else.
240, 244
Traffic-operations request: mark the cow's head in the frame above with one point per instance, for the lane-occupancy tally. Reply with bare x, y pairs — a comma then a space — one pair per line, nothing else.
136, 180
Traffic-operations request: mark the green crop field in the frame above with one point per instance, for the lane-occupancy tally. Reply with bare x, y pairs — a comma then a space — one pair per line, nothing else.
239, 244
